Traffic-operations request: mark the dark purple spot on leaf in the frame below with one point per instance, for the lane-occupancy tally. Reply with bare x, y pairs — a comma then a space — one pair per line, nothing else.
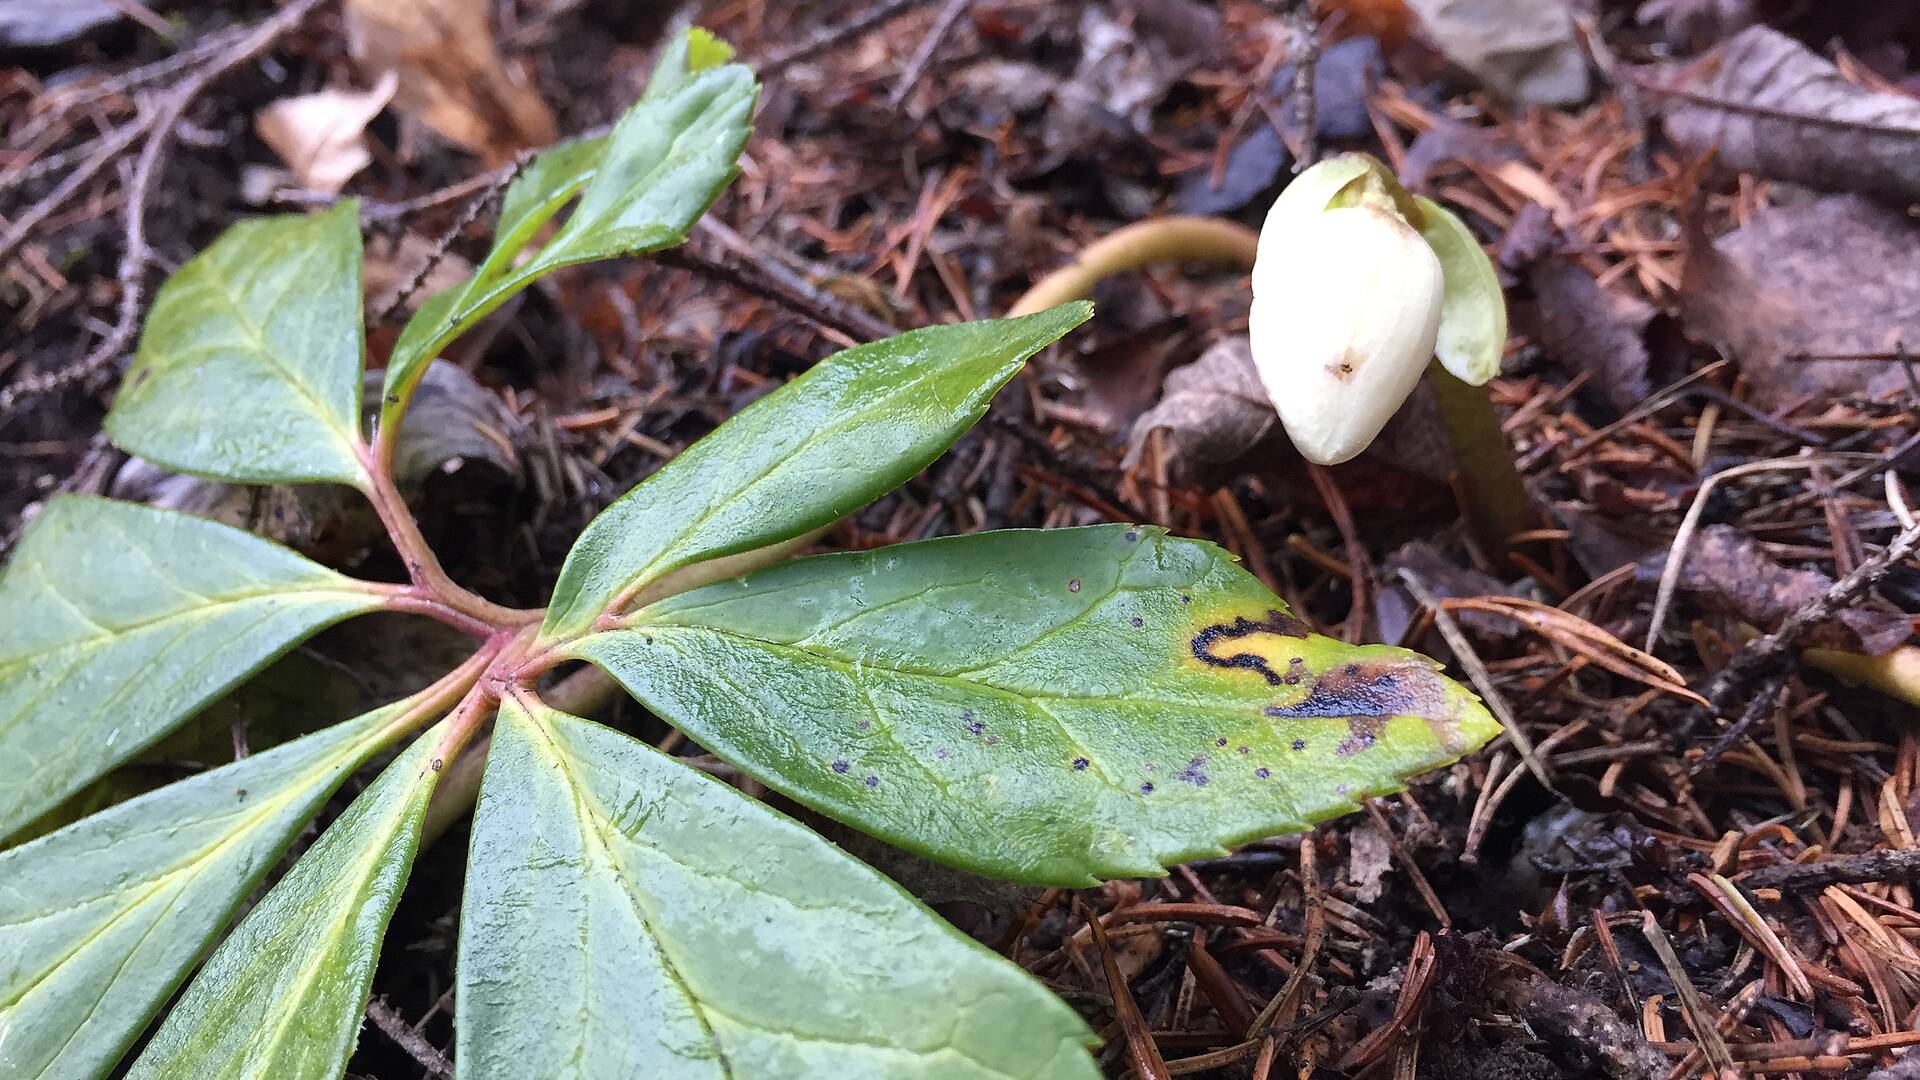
1276, 622
841, 766
1195, 773
976, 728
1299, 744
866, 725
1132, 535
1146, 789
940, 754
1137, 621
1244, 749
873, 781
1074, 585
1185, 599
1079, 763
1219, 742
1262, 772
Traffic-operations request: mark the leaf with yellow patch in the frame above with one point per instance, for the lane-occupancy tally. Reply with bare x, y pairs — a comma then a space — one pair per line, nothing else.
1052, 707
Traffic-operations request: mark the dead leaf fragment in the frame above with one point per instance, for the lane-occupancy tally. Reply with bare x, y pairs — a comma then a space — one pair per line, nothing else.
1729, 571
1588, 328
322, 137
1765, 104
1524, 50
451, 75
1213, 411
1835, 276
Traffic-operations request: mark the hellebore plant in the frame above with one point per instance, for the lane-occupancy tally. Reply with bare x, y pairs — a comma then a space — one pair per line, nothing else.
1053, 707
1357, 284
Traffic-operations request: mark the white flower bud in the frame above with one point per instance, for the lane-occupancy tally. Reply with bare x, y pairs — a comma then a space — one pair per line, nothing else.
1346, 308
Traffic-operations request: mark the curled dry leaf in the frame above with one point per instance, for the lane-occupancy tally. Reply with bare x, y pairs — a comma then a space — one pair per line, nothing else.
1834, 276
1214, 411
322, 137
1764, 103
1218, 420
1584, 638
451, 75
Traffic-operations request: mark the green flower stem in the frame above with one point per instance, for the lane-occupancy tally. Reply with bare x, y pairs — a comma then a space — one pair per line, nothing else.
1497, 506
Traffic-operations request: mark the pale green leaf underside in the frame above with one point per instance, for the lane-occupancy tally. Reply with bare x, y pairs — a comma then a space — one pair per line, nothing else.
857, 425
249, 366
123, 621
626, 916
282, 997
1473, 312
645, 184
1051, 707
101, 921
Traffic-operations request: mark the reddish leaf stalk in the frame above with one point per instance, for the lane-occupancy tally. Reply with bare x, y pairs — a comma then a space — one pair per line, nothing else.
423, 566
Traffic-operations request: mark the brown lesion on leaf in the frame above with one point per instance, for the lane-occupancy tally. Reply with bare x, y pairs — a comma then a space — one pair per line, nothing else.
1367, 693
1206, 642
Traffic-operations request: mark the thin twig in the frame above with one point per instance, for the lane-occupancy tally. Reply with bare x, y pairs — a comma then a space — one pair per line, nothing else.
109, 148
916, 67
828, 36
136, 254
1764, 654
408, 1037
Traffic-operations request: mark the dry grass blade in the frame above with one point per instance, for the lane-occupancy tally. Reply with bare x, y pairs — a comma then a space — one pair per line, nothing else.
1584, 638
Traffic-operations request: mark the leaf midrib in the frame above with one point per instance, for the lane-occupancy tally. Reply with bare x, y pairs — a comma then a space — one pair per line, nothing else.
591, 831
663, 561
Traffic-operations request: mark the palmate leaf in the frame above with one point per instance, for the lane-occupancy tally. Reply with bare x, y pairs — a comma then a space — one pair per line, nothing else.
1052, 707
124, 620
101, 921
282, 997
249, 365
645, 184
626, 916
855, 426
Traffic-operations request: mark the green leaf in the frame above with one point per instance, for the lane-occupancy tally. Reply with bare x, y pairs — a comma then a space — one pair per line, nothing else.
626, 916
249, 366
694, 51
101, 921
1473, 312
857, 425
282, 997
1051, 707
127, 620
646, 183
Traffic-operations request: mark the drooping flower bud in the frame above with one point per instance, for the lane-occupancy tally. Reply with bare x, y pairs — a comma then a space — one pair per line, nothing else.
1347, 300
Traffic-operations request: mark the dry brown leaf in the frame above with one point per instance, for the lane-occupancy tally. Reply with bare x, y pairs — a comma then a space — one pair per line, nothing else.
1836, 276
322, 137
1524, 50
1765, 104
1729, 571
451, 75
1214, 411
1588, 328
